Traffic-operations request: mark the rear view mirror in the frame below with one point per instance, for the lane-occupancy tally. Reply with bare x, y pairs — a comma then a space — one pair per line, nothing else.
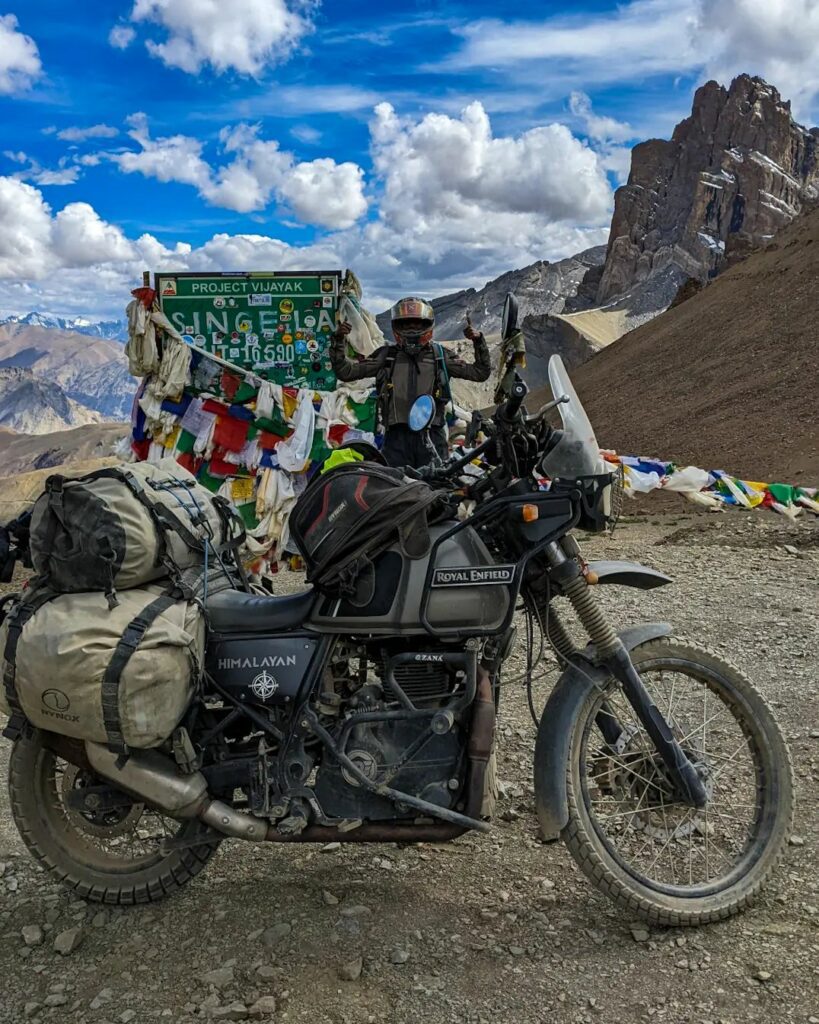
509, 318
421, 413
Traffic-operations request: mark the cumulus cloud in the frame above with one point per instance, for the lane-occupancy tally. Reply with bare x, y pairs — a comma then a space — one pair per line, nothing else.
457, 206
320, 192
47, 259
174, 158
81, 238
94, 131
447, 165
26, 235
244, 36
20, 64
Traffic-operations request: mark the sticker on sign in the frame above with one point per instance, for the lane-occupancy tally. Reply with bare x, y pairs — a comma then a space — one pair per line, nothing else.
228, 313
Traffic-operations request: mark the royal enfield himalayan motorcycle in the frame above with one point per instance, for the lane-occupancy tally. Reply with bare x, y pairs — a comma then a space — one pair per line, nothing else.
657, 763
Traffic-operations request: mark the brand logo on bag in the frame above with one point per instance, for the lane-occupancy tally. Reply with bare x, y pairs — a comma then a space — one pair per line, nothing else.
469, 576
56, 700
337, 512
56, 704
264, 686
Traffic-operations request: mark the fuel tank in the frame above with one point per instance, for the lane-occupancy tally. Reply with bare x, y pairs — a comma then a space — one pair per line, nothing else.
469, 590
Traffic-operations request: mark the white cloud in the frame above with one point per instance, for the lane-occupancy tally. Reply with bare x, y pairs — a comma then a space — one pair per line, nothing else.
95, 131
457, 207
320, 192
175, 158
306, 134
121, 36
605, 133
20, 64
244, 36
57, 176
76, 262
66, 173
26, 235
635, 39
600, 128
776, 39
450, 167
81, 238
324, 192
300, 100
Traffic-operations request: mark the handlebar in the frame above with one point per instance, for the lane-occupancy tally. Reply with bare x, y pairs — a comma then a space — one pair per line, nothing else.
511, 407
549, 405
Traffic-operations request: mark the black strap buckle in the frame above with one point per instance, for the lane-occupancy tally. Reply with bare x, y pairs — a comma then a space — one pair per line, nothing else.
16, 727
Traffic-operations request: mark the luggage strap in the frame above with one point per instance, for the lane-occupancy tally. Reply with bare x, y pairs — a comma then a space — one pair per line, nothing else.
130, 640
28, 605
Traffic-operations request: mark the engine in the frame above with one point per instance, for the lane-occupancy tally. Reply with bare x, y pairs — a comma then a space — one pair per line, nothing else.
399, 715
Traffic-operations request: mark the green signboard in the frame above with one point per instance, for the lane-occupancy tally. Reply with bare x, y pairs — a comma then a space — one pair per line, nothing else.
276, 324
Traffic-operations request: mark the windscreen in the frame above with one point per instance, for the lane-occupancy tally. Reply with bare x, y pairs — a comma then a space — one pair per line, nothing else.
577, 453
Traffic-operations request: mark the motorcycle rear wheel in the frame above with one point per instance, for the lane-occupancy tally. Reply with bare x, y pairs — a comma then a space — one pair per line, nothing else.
112, 855
654, 856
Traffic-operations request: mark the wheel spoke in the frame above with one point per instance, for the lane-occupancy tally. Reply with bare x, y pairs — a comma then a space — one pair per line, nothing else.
634, 805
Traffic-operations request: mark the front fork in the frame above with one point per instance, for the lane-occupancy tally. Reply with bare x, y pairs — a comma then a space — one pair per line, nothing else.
617, 659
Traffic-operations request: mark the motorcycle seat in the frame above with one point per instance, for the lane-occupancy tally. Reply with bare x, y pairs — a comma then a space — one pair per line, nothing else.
234, 611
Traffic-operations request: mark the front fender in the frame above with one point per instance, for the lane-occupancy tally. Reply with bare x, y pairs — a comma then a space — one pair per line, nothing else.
628, 574
556, 723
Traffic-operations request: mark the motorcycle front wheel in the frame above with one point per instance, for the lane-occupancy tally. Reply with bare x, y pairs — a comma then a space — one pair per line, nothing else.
653, 855
110, 848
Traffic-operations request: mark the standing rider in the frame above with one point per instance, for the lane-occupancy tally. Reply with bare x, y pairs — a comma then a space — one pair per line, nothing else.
405, 371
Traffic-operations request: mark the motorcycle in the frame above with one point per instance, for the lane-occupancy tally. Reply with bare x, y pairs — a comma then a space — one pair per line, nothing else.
657, 762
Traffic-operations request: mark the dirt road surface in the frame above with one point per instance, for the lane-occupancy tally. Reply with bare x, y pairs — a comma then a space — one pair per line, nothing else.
498, 928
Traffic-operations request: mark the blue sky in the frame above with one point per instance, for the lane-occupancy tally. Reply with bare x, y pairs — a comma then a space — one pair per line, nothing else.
427, 145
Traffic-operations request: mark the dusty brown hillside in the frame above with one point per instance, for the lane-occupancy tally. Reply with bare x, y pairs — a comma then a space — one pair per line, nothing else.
21, 453
730, 378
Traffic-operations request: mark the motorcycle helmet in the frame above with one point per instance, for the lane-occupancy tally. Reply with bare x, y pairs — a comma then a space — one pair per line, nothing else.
412, 322
352, 452
367, 451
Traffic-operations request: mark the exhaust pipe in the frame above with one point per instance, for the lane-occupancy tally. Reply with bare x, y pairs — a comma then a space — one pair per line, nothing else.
149, 776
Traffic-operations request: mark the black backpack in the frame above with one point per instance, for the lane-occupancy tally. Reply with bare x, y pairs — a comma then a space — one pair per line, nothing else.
443, 389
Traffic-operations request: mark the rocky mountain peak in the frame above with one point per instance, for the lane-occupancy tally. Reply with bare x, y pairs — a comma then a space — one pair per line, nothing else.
734, 172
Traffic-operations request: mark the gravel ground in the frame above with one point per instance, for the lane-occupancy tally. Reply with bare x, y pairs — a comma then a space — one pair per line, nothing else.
495, 928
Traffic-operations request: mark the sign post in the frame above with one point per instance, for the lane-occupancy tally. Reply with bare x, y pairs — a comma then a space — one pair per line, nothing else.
276, 325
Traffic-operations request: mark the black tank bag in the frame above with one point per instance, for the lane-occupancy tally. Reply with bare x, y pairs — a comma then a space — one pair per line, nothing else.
349, 515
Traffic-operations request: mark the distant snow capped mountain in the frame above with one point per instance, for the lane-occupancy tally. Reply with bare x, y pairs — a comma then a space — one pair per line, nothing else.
110, 330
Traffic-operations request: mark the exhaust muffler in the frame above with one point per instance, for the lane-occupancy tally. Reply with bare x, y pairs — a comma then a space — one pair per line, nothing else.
152, 777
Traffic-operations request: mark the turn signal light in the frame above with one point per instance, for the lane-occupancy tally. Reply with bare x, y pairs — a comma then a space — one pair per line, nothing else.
529, 513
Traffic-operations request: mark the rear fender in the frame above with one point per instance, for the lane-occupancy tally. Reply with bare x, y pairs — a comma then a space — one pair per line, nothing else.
556, 723
628, 574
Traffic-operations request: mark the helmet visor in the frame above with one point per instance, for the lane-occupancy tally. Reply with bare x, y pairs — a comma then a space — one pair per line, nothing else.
413, 308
